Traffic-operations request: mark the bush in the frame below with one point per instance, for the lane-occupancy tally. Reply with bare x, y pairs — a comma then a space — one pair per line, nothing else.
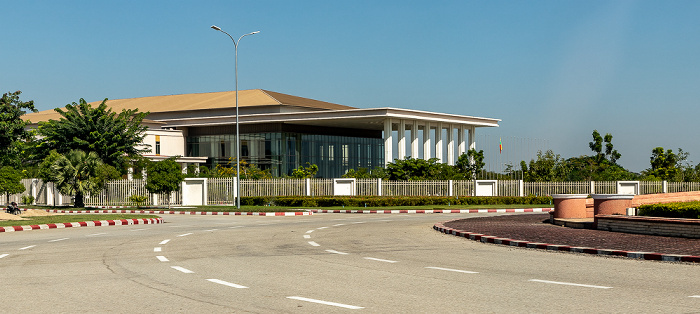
27, 199
672, 210
382, 201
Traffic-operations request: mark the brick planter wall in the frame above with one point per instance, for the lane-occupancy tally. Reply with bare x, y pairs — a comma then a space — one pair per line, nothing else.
670, 227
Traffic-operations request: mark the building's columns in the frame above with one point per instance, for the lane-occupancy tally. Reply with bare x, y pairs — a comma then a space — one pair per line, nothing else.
414, 140
184, 168
426, 141
472, 137
387, 142
450, 145
462, 148
438, 142
402, 140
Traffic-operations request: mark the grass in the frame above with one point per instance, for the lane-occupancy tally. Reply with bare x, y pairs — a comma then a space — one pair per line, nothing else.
41, 220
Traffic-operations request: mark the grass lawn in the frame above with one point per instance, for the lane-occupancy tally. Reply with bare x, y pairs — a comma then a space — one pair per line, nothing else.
41, 220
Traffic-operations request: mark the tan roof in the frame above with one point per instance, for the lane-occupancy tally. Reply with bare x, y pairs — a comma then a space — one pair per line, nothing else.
201, 101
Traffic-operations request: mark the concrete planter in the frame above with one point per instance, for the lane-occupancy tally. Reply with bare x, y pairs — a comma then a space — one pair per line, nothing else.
570, 206
611, 204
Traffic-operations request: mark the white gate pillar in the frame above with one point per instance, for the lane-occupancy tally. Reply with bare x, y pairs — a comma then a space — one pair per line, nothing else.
388, 153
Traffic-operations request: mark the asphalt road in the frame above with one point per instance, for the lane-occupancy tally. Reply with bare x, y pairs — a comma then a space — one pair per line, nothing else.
324, 263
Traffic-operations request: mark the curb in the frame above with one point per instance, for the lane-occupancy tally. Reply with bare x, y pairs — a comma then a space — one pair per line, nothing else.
432, 211
112, 211
554, 247
97, 223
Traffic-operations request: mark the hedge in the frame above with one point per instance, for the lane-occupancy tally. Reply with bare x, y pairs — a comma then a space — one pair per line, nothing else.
672, 210
383, 201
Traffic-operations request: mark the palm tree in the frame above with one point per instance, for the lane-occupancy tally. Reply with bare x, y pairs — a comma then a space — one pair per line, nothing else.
75, 173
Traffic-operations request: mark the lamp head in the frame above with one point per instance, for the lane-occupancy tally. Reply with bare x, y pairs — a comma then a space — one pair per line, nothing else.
216, 27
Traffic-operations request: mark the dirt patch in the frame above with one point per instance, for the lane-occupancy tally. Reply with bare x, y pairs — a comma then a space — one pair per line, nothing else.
6, 216
37, 212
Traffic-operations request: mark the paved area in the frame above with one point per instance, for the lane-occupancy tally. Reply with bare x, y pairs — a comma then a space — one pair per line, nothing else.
533, 228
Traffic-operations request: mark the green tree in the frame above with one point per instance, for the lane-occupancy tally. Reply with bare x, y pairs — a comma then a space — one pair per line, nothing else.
114, 137
418, 169
547, 167
248, 171
164, 177
470, 164
365, 173
77, 173
663, 164
610, 154
305, 172
14, 135
10, 182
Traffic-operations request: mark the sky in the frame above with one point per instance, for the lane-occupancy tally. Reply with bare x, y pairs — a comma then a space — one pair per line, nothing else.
552, 71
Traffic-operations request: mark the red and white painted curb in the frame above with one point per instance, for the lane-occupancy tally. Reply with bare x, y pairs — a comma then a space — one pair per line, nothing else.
554, 247
132, 211
97, 223
433, 211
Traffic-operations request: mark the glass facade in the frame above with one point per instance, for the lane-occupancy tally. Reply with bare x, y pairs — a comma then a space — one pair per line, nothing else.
282, 152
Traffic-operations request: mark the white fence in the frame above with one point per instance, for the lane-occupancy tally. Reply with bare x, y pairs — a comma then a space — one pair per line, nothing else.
220, 191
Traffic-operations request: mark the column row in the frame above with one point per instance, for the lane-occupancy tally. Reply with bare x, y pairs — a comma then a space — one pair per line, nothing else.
435, 136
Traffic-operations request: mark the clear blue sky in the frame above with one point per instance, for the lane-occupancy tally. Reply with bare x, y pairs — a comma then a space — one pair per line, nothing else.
551, 70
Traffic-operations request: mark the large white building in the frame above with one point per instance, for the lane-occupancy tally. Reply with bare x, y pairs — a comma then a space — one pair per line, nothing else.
281, 132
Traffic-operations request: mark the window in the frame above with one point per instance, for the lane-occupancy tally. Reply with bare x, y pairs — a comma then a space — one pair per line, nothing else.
157, 144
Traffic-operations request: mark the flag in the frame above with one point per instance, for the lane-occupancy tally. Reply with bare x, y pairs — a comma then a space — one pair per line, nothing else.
500, 145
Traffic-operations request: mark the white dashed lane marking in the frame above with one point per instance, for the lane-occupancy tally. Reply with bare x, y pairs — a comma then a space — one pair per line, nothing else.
186, 234
157, 249
306, 236
139, 229
3, 255
96, 234
164, 241
454, 270
162, 258
319, 228
27, 247
226, 283
381, 260
56, 240
338, 225
569, 284
347, 306
336, 252
210, 230
314, 243
695, 296
184, 270
310, 231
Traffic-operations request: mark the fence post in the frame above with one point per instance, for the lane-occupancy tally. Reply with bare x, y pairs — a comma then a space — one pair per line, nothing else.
592, 187
33, 190
664, 186
521, 188
154, 199
308, 186
379, 186
450, 188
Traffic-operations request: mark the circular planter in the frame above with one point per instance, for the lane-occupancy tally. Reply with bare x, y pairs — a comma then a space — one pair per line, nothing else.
570, 206
611, 204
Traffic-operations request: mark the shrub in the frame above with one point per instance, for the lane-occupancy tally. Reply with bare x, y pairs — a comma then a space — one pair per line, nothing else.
381, 201
672, 210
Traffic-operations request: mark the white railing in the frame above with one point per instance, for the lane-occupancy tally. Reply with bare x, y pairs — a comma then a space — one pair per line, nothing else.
220, 191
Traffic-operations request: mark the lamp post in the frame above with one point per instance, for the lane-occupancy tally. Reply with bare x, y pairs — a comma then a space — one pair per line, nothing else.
238, 134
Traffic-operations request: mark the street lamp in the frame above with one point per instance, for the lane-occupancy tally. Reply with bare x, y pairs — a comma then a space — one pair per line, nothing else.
238, 135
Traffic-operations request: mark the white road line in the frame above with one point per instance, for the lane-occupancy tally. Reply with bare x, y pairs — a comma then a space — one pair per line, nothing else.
139, 229
162, 258
307, 236
211, 230
164, 241
314, 243
157, 249
96, 234
184, 270
692, 296
310, 231
385, 220
3, 255
226, 283
319, 228
184, 235
339, 219
336, 252
358, 222
338, 225
56, 240
454, 270
27, 247
347, 306
236, 227
380, 260
570, 284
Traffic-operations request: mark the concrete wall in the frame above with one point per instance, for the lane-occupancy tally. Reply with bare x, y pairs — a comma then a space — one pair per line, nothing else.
671, 227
